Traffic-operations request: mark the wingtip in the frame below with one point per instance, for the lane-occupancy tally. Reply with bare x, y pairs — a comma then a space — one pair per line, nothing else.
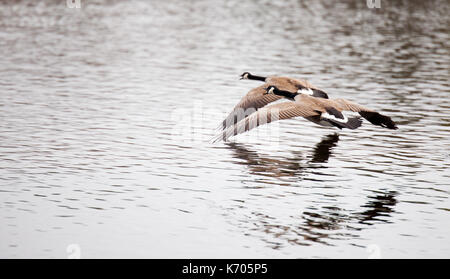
390, 124
379, 119
219, 127
218, 138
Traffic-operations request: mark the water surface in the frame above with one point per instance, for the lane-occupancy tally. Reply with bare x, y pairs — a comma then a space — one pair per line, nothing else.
106, 114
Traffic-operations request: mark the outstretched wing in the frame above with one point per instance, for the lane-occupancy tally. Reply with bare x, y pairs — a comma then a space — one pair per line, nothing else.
369, 114
267, 115
303, 86
255, 99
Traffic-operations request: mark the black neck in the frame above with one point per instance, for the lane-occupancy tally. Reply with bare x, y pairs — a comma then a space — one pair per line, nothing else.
286, 94
253, 77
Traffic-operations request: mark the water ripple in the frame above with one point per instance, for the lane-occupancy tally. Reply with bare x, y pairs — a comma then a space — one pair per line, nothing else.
107, 111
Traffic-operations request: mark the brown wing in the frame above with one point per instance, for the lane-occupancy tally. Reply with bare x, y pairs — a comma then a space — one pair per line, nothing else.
369, 114
289, 84
267, 115
255, 99
293, 85
342, 104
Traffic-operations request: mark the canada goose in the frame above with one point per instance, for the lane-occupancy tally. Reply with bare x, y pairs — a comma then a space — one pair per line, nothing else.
324, 112
295, 84
303, 86
257, 97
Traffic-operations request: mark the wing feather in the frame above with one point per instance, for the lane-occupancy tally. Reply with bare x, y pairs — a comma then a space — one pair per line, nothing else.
267, 115
342, 104
254, 100
372, 116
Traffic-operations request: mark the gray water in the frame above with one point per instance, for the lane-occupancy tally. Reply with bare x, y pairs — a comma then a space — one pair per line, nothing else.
106, 112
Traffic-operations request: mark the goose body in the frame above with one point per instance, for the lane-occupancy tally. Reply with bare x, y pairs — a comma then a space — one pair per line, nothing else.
257, 97
324, 112
289, 84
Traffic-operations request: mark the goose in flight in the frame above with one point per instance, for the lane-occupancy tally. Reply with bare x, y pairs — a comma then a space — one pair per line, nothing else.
257, 97
324, 112
303, 86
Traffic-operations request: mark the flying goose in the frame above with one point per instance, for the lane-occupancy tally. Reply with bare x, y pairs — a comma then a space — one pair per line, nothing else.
288, 82
324, 112
302, 86
257, 97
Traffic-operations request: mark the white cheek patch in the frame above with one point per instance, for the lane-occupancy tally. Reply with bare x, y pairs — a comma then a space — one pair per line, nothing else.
334, 118
306, 91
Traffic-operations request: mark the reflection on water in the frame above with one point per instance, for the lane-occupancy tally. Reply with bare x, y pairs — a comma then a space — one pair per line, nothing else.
380, 205
105, 114
316, 224
322, 151
291, 166
326, 224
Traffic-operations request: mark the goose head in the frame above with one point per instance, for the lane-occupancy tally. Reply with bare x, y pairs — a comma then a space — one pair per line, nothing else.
286, 94
272, 90
245, 75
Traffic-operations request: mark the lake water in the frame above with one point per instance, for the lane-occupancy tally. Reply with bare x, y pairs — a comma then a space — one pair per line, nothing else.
107, 111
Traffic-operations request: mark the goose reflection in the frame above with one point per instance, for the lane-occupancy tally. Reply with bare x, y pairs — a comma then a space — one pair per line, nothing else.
324, 224
291, 166
379, 208
319, 222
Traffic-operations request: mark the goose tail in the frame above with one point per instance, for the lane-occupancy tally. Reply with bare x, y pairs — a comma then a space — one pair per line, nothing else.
351, 123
